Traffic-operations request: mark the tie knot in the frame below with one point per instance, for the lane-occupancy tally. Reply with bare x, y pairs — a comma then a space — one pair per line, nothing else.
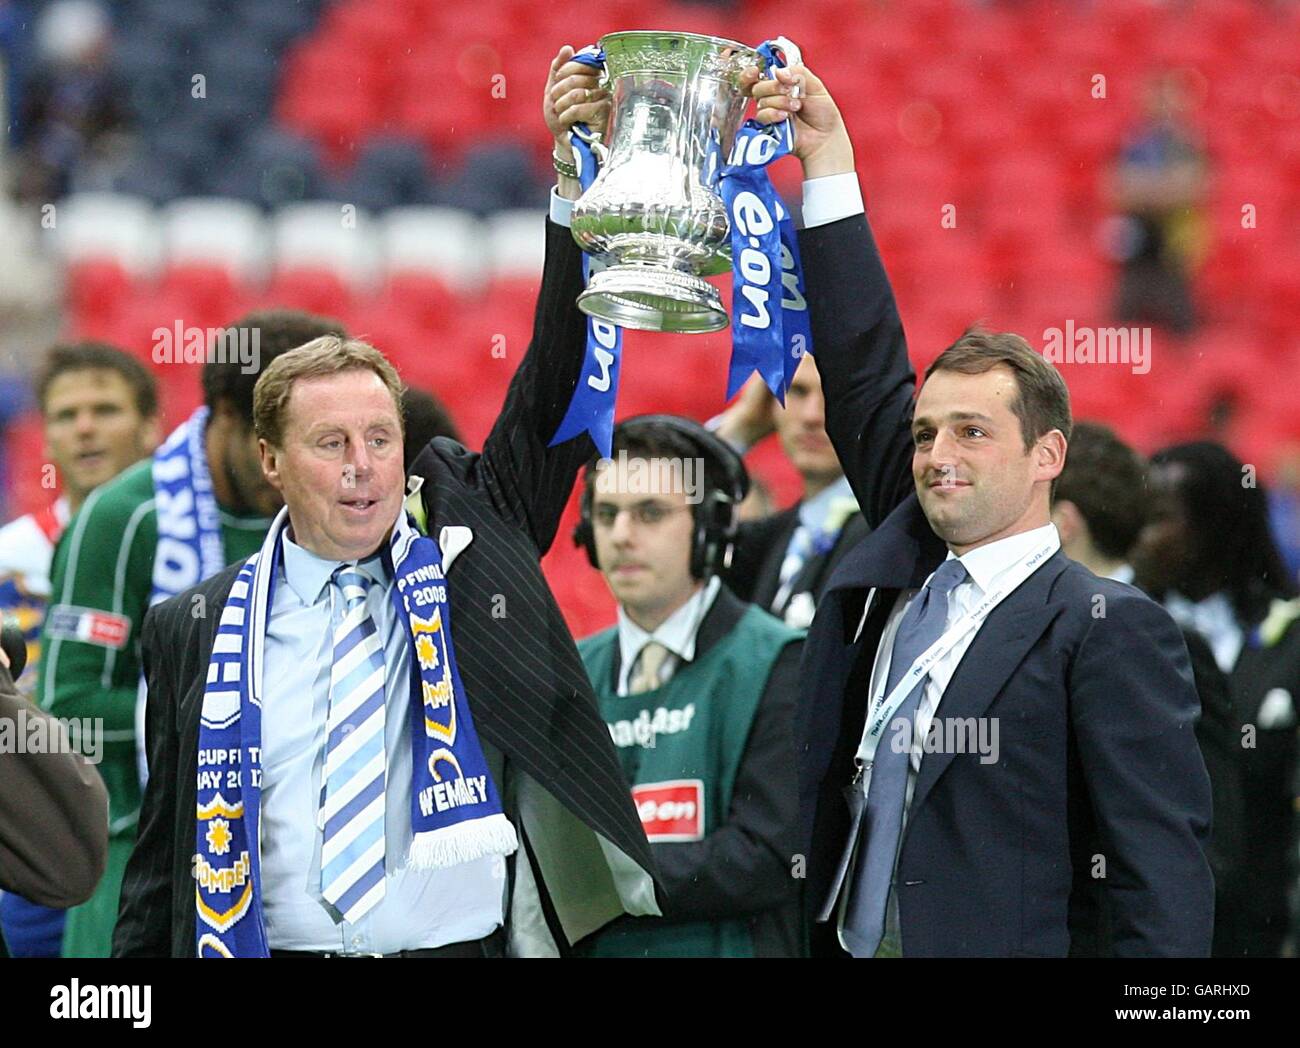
648, 666
652, 657
353, 583
948, 576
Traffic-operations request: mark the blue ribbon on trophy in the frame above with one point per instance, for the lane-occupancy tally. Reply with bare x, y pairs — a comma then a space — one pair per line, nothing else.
592, 408
766, 268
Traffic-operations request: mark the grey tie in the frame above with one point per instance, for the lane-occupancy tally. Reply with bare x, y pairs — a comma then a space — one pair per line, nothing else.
922, 625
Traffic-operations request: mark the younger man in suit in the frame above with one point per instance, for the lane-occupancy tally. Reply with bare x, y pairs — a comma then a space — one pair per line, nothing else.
991, 706
698, 690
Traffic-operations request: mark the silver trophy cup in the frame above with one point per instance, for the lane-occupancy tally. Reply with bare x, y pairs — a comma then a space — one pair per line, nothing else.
651, 216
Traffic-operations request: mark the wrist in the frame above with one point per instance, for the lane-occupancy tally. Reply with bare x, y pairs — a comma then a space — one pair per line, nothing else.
833, 157
741, 432
568, 188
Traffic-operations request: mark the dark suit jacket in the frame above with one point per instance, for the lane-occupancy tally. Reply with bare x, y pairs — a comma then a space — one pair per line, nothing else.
532, 704
755, 572
742, 869
1096, 710
1218, 732
1269, 768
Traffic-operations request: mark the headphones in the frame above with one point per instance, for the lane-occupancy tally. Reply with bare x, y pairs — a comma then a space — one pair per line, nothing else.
715, 517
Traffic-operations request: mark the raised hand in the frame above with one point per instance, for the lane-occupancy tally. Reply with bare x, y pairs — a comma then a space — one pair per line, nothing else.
573, 94
821, 140
752, 416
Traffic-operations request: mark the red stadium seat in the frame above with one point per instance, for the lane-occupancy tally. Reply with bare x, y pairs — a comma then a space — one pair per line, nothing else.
95, 292
315, 290
210, 294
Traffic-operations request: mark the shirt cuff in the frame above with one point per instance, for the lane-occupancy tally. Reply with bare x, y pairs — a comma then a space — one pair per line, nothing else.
561, 208
830, 198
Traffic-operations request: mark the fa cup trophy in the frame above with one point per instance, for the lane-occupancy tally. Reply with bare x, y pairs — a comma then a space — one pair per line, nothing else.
653, 214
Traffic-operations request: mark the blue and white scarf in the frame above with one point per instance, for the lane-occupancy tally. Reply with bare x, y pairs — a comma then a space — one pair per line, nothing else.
190, 548
456, 813
189, 527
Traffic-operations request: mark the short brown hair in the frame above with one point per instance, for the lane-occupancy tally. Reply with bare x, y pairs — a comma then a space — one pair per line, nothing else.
327, 355
85, 356
1043, 403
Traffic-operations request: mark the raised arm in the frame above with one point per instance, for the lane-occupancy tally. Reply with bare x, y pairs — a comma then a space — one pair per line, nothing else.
857, 336
526, 479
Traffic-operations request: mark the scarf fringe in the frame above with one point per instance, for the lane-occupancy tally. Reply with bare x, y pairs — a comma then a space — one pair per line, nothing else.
463, 842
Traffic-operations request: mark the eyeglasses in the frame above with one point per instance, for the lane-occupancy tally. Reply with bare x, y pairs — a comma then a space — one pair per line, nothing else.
647, 513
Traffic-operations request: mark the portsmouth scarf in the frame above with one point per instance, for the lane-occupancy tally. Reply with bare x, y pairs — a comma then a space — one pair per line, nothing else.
189, 547
456, 811
189, 530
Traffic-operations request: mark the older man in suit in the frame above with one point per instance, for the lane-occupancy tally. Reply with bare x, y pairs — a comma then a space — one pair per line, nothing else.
347, 863
1004, 725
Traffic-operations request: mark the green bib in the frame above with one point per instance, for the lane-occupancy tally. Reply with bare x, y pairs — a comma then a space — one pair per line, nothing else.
680, 746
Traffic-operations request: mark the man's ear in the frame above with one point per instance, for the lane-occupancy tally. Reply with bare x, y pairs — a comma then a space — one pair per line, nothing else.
151, 432
270, 459
1049, 455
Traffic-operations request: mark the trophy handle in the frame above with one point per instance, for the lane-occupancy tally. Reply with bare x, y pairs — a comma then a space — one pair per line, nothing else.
793, 56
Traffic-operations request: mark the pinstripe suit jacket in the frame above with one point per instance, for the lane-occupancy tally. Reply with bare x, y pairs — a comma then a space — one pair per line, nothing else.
584, 859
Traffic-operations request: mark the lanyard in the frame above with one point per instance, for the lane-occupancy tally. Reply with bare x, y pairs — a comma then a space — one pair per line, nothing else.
884, 708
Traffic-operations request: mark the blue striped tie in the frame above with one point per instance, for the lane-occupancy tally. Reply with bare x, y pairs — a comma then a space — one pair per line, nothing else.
352, 798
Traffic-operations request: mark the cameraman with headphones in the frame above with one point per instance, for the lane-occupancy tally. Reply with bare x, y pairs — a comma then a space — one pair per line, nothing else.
698, 690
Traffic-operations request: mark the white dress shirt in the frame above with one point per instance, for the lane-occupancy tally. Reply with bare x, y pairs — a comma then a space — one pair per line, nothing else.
677, 633
420, 908
985, 566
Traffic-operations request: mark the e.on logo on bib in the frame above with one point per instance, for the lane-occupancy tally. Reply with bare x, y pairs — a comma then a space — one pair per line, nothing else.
671, 811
